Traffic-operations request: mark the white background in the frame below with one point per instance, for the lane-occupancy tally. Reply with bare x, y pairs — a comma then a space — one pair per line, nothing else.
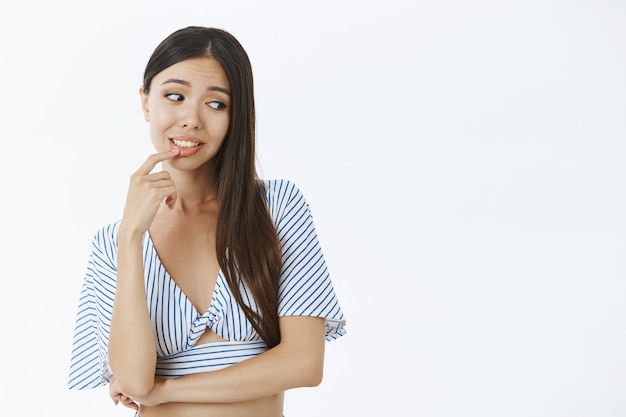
465, 164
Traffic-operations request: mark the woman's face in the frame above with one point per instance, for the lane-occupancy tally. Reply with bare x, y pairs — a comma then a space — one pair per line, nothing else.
189, 108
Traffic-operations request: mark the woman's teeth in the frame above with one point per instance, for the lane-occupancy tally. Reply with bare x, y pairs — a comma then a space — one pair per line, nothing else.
185, 143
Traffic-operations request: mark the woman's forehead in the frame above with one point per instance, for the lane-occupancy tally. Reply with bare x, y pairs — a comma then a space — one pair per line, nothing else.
194, 72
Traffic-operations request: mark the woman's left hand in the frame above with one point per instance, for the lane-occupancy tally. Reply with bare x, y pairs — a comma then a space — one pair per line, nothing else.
119, 397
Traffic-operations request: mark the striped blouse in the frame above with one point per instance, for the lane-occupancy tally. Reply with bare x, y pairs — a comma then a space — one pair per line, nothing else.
305, 290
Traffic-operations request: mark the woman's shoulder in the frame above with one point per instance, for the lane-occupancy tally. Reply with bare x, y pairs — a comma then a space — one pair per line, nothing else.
280, 188
107, 232
284, 200
281, 193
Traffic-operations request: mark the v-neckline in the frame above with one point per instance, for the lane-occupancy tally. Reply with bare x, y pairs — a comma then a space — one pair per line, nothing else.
171, 279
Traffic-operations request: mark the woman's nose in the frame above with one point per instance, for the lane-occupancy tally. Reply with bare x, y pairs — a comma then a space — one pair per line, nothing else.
189, 119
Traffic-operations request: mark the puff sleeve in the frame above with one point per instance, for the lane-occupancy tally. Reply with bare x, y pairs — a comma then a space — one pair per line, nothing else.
305, 287
89, 367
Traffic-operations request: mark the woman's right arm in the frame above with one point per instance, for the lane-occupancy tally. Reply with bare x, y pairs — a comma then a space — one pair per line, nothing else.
132, 347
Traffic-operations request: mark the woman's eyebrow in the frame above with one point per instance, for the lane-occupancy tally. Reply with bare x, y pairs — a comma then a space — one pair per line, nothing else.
220, 89
188, 84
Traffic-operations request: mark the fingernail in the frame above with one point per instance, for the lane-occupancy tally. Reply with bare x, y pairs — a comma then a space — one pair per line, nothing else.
176, 151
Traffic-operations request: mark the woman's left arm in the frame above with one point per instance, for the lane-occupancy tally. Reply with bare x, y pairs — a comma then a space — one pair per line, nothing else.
297, 361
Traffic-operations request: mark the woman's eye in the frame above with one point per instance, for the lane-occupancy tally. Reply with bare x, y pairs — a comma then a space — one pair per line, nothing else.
217, 105
174, 96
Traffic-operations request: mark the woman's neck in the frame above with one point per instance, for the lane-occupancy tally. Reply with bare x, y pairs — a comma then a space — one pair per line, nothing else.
194, 189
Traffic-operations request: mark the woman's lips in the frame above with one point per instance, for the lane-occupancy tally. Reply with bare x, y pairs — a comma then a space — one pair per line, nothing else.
184, 146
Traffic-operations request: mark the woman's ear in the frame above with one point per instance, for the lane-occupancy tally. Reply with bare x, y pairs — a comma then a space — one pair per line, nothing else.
144, 104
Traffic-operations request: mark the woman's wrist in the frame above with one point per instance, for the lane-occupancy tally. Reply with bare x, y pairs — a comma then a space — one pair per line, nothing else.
127, 234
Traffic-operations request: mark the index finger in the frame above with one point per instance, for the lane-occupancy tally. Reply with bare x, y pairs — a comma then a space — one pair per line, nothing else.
154, 159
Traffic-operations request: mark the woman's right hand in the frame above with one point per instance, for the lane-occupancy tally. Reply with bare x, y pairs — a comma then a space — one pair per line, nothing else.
146, 192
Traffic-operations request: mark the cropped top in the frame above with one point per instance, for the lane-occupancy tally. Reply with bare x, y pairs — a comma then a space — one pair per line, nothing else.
305, 290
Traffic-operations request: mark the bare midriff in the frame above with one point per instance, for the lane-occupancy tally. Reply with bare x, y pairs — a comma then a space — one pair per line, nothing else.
263, 407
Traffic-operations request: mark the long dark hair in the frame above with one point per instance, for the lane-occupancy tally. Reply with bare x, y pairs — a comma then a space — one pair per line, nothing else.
247, 244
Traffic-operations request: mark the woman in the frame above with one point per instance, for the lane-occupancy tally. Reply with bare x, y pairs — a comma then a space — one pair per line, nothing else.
210, 297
